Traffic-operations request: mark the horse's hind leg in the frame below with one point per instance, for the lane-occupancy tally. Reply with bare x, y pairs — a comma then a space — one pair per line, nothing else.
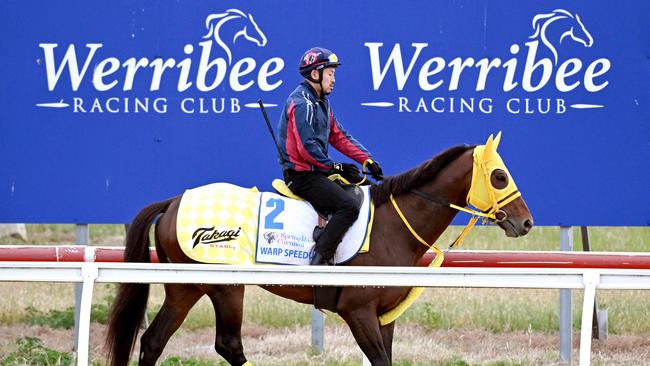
365, 328
228, 302
179, 299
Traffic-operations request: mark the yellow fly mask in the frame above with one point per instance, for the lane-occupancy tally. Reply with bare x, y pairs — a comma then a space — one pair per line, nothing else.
492, 185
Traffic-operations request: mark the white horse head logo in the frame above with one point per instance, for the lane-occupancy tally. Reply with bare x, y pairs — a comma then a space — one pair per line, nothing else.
571, 25
245, 23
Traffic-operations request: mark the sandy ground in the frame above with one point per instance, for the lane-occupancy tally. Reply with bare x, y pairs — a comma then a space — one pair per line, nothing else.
291, 346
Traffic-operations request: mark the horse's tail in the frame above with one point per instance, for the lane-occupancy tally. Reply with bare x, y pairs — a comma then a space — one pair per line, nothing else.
130, 304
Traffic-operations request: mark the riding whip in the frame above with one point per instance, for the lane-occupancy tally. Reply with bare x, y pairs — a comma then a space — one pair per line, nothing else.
268, 124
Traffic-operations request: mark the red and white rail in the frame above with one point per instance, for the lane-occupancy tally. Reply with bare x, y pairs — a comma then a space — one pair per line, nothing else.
456, 258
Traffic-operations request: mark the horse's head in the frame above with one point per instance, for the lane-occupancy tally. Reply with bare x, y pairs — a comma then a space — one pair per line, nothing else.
573, 28
494, 192
246, 28
251, 32
578, 32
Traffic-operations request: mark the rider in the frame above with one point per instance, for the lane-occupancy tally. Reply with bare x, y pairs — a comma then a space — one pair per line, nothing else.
306, 129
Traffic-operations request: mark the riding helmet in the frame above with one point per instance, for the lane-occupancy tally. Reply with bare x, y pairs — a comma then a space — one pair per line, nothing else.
317, 58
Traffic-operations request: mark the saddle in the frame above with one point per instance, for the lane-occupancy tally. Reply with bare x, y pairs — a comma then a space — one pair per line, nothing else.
353, 189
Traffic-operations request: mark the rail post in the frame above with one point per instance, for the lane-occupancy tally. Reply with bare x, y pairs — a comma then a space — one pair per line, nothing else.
591, 279
89, 273
566, 303
317, 330
82, 238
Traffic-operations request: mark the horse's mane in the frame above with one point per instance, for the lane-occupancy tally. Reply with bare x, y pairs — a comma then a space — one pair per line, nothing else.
416, 177
540, 19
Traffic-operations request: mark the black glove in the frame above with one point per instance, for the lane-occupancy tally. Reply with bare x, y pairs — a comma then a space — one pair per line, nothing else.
375, 170
350, 172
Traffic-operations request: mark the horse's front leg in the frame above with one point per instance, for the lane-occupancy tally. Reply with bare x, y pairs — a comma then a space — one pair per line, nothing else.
364, 324
387, 332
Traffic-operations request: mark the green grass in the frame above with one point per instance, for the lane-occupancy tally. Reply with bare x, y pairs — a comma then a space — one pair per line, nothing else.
31, 351
263, 308
505, 310
178, 361
64, 319
456, 361
65, 234
605, 239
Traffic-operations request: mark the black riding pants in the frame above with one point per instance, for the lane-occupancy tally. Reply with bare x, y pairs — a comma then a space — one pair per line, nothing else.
329, 198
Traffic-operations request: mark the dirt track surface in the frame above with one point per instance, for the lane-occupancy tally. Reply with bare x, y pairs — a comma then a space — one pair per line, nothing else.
291, 346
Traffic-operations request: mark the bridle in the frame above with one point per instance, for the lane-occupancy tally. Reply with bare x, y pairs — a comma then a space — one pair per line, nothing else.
482, 195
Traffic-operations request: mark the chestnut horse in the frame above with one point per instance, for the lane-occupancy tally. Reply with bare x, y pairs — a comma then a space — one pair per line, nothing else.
419, 194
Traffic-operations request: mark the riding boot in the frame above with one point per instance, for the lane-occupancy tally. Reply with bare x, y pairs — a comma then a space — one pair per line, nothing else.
319, 260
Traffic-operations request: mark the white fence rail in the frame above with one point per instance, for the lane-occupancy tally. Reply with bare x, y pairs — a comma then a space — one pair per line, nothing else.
549, 278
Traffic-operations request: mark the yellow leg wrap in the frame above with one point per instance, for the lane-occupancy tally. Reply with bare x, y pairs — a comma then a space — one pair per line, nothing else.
248, 363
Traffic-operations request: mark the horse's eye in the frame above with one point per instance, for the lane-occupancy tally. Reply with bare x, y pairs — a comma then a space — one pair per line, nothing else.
499, 179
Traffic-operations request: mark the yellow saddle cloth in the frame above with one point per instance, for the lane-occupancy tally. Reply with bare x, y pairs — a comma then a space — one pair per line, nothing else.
228, 224
217, 223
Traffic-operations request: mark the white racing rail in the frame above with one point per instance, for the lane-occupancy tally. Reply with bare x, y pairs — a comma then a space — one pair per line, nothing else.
548, 278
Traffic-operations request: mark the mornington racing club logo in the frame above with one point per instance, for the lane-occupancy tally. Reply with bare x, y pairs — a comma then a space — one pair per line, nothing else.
543, 67
206, 67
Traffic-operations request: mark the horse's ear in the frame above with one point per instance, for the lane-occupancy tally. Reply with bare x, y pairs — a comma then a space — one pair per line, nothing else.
489, 148
490, 141
208, 23
497, 140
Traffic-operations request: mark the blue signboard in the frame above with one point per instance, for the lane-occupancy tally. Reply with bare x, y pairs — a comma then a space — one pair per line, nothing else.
110, 105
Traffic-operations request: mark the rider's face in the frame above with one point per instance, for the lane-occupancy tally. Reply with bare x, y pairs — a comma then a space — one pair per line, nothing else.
328, 79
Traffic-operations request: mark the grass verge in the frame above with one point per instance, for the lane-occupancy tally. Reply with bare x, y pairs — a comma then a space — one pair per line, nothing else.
31, 351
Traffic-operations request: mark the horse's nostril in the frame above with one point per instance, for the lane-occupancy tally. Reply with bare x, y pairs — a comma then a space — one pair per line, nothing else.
528, 224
